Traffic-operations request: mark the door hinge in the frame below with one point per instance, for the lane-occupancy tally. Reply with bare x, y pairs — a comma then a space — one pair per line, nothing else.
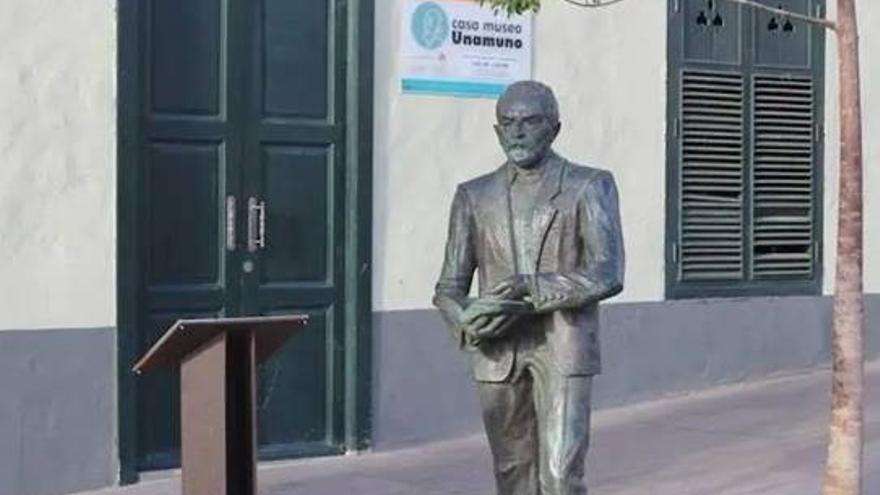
674, 253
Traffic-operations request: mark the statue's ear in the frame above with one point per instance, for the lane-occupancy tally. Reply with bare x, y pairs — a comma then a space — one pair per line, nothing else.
497, 128
556, 129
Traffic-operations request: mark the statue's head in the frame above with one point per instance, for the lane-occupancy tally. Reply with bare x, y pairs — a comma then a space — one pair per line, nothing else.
528, 122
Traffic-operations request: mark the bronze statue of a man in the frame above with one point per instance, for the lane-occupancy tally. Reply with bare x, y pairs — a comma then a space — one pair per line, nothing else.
544, 235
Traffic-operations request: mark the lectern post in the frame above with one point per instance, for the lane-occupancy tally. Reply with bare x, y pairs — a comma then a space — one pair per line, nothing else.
218, 361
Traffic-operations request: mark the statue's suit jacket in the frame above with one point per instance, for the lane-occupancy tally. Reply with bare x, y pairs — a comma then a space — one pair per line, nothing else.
577, 236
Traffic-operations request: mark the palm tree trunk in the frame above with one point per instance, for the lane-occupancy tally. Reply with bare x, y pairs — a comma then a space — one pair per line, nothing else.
843, 468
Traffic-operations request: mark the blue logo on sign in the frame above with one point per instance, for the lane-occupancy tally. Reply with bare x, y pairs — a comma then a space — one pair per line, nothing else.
430, 25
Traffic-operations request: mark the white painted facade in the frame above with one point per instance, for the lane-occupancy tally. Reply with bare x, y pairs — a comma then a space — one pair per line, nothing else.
58, 172
57, 164
608, 67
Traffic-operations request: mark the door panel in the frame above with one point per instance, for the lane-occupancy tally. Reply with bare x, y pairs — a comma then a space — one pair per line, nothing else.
184, 226
186, 50
294, 391
296, 43
297, 181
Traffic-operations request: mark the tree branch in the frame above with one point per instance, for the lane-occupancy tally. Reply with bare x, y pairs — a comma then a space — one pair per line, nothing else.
520, 6
785, 13
593, 3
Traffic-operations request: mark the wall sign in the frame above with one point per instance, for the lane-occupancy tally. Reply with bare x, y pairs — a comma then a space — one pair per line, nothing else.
458, 48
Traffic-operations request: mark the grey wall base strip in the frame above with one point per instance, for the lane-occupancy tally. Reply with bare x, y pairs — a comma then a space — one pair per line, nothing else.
422, 390
57, 411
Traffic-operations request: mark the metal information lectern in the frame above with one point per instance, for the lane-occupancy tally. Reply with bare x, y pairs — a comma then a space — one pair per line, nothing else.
218, 361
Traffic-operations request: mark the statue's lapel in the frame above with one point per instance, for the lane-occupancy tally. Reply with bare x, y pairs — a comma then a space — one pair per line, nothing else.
500, 212
545, 209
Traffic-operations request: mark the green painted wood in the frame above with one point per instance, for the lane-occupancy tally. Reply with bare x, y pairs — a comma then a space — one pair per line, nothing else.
358, 249
746, 155
247, 99
296, 40
186, 77
129, 80
295, 163
780, 42
191, 148
712, 30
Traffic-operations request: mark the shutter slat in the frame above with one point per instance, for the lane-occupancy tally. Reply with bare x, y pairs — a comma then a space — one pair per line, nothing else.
698, 200
794, 182
783, 174
710, 221
711, 149
728, 129
716, 244
788, 273
708, 231
709, 182
713, 250
697, 172
805, 145
696, 164
714, 273
709, 99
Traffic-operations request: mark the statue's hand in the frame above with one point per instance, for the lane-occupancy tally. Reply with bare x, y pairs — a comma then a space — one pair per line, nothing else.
491, 306
490, 315
486, 327
544, 303
481, 308
470, 331
516, 287
496, 327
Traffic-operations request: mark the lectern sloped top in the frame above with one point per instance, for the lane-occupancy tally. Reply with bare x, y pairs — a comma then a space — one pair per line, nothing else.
185, 336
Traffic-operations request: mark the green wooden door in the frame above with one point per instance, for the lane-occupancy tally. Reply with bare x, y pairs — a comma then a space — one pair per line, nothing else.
240, 181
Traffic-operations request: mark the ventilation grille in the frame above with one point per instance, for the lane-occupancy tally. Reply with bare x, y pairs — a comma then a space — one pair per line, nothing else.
783, 177
711, 176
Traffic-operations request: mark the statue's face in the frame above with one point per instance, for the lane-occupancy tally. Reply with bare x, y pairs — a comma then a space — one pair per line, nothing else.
525, 131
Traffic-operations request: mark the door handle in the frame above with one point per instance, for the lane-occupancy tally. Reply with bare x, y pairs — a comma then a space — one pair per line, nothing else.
256, 225
230, 223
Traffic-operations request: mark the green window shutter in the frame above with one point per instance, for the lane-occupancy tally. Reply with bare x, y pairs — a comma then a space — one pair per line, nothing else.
711, 175
744, 151
783, 177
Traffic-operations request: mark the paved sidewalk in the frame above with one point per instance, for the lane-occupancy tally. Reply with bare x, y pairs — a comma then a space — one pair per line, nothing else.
760, 438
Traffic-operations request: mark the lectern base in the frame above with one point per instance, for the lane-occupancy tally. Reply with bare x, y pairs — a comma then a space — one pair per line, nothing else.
218, 358
218, 400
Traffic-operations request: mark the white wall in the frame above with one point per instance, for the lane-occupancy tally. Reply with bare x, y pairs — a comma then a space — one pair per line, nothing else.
57, 163
869, 20
608, 68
